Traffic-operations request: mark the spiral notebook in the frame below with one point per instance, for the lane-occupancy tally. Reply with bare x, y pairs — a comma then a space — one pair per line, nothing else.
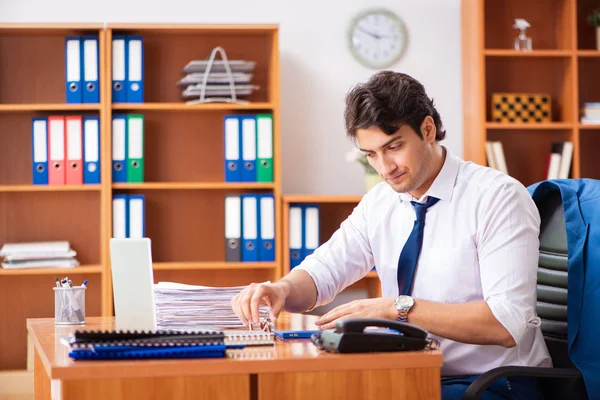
106, 345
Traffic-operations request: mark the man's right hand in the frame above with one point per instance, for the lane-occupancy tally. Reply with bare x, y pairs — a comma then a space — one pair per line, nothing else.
245, 304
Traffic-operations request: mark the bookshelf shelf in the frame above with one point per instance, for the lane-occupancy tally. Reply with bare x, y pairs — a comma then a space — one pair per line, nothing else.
193, 186
589, 127
321, 199
82, 269
47, 29
192, 107
589, 53
49, 107
57, 188
528, 54
541, 126
174, 29
173, 266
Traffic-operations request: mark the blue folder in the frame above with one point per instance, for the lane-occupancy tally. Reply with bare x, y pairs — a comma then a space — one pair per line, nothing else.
232, 132
119, 69
90, 68
137, 352
91, 150
135, 69
39, 150
73, 78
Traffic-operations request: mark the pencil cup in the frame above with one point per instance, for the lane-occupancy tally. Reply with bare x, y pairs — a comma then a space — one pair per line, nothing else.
69, 305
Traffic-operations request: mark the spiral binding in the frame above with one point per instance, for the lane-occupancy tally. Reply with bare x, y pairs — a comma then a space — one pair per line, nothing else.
252, 338
112, 335
140, 344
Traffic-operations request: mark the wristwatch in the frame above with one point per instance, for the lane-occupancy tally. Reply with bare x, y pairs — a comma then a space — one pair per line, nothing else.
403, 305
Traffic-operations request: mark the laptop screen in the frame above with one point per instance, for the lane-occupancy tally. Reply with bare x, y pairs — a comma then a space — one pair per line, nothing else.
133, 284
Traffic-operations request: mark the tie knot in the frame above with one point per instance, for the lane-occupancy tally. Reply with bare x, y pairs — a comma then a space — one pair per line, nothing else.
421, 208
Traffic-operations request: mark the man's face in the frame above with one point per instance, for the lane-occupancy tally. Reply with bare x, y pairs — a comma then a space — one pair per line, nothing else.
402, 159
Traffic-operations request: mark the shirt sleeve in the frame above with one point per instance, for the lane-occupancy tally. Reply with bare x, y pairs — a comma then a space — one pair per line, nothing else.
508, 251
343, 259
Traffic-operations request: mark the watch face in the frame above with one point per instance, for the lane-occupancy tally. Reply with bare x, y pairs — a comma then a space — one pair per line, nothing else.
377, 38
404, 302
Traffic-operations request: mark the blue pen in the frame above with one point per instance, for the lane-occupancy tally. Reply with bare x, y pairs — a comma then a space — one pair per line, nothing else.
294, 334
84, 283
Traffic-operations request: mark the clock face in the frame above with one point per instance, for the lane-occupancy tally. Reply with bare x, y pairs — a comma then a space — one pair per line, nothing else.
377, 38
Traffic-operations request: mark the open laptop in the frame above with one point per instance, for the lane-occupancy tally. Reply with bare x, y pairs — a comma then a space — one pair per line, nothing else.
133, 284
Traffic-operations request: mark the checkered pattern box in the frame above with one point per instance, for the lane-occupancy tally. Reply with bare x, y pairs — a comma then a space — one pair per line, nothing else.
521, 108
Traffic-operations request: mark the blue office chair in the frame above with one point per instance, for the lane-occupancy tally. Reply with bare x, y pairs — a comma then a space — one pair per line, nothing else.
564, 381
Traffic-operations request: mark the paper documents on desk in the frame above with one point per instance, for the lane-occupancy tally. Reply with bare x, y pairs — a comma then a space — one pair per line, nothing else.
188, 307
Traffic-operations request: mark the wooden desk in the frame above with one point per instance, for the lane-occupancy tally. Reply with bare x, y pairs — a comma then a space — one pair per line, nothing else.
288, 370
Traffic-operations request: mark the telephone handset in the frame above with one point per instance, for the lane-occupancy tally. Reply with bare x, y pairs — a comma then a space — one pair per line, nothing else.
351, 336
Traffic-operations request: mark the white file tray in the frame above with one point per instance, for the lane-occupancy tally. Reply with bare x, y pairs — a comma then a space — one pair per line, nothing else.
212, 65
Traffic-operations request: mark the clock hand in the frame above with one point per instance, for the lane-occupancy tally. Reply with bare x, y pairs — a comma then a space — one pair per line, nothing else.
372, 34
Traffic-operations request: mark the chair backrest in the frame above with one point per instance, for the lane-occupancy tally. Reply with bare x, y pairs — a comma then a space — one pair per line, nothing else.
553, 279
552, 285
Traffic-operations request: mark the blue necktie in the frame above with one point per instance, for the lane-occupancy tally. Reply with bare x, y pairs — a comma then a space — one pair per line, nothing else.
410, 253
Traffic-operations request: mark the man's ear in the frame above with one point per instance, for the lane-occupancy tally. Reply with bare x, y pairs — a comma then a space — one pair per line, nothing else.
428, 129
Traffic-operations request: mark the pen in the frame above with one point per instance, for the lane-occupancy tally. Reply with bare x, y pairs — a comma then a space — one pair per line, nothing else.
66, 283
84, 283
62, 297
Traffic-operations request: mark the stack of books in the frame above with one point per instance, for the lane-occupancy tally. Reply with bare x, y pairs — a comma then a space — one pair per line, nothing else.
38, 255
558, 165
590, 114
494, 152
189, 307
220, 85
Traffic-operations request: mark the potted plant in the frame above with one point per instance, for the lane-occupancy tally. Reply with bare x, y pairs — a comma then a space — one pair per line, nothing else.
372, 178
594, 20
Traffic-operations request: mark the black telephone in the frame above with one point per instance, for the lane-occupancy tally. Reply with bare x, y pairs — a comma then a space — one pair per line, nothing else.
350, 336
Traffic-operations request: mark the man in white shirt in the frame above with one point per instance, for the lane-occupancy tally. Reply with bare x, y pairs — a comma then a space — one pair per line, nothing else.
455, 244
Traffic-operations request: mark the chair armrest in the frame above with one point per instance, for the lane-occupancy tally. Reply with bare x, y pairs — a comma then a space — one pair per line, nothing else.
485, 380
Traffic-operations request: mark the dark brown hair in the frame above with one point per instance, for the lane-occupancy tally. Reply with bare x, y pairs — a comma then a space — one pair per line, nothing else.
388, 100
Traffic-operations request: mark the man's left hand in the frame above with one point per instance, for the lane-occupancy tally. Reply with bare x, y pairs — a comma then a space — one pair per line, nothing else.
382, 307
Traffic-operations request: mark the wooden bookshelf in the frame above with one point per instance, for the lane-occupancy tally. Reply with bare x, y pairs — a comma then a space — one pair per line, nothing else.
33, 85
184, 179
564, 63
184, 184
333, 210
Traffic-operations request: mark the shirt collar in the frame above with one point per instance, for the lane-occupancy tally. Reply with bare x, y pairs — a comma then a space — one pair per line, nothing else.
444, 182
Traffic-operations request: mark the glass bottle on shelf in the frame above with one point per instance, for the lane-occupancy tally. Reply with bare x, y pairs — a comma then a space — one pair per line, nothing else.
522, 41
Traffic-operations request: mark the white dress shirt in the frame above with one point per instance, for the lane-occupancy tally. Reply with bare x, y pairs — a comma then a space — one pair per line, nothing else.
480, 242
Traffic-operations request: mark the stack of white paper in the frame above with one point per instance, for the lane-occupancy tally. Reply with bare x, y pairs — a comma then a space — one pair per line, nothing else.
189, 307
38, 255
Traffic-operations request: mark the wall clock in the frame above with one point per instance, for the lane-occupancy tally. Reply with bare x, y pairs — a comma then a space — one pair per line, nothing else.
377, 38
